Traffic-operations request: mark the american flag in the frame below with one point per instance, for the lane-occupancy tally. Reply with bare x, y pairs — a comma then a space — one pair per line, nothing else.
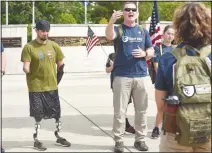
92, 40
154, 32
154, 29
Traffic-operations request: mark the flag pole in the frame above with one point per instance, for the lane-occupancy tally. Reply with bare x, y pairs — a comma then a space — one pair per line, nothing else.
103, 49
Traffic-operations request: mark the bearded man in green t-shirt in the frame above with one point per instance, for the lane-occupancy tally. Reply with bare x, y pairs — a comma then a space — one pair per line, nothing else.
43, 64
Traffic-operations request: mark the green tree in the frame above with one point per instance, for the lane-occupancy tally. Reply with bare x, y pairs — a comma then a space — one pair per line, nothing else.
66, 18
21, 12
18, 12
104, 9
145, 10
29, 32
3, 13
208, 4
103, 21
167, 9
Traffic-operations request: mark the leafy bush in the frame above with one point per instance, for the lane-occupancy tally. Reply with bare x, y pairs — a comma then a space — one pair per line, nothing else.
103, 21
29, 33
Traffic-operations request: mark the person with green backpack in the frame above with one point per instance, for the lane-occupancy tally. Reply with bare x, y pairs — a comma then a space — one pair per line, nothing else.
183, 83
165, 47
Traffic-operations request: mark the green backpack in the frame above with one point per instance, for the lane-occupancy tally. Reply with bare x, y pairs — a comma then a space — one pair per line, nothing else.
192, 85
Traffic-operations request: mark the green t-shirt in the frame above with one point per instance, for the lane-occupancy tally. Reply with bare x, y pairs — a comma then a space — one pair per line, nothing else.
43, 59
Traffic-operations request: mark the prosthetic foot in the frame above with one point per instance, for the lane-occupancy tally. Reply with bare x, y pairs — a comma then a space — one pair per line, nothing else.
37, 144
60, 141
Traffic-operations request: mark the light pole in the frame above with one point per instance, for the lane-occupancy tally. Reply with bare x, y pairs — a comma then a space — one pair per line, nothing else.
6, 12
85, 13
33, 13
137, 3
85, 10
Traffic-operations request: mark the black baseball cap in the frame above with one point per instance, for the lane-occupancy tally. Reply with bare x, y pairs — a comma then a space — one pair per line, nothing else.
42, 25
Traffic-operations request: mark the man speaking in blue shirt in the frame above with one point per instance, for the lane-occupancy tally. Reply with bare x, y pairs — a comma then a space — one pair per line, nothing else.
132, 46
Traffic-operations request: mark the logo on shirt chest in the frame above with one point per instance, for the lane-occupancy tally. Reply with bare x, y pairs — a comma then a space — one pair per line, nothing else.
40, 55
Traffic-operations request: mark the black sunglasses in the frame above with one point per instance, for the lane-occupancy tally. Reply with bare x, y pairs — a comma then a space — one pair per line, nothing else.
129, 9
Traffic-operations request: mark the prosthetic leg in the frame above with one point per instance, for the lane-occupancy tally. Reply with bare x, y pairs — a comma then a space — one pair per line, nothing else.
37, 130
37, 144
58, 129
60, 140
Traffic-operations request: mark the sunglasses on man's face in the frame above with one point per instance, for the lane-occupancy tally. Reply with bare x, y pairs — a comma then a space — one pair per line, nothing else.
130, 9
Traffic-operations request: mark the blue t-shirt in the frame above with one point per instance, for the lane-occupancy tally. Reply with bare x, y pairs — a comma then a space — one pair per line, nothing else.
164, 79
165, 49
2, 47
124, 63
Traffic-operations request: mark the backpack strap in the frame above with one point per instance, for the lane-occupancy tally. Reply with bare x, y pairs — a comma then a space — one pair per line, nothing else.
141, 28
177, 53
180, 52
202, 52
161, 50
120, 32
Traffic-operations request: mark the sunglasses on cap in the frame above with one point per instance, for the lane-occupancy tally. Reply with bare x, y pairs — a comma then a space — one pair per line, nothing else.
129, 9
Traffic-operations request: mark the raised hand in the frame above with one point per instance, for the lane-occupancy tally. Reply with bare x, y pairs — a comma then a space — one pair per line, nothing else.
116, 15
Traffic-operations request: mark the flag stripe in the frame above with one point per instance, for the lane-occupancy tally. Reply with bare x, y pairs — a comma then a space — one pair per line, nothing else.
91, 43
92, 40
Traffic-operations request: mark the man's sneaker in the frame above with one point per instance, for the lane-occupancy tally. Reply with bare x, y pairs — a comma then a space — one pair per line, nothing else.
130, 130
39, 146
141, 146
155, 133
119, 147
63, 142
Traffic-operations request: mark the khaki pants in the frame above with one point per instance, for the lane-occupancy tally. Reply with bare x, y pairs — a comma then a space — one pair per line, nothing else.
122, 88
169, 144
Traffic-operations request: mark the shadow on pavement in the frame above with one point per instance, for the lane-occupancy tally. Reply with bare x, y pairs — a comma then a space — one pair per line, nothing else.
76, 124
51, 144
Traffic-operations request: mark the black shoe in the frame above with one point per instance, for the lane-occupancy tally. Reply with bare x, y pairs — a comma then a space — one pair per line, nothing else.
155, 133
63, 142
119, 147
2, 150
141, 146
39, 146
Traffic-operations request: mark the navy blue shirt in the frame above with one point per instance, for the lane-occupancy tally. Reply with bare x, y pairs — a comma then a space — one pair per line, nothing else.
164, 79
2, 47
124, 63
157, 55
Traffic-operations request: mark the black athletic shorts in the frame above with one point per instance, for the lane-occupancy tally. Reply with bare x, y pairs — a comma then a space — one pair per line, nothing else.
44, 105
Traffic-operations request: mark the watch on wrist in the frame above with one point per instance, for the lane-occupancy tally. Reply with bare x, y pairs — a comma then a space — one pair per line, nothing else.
146, 54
